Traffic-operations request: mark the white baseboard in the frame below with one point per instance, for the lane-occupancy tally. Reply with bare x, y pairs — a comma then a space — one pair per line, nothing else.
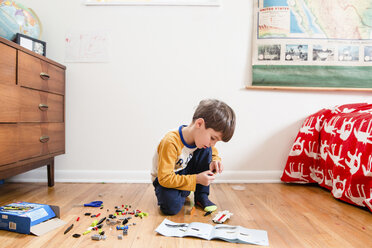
79, 176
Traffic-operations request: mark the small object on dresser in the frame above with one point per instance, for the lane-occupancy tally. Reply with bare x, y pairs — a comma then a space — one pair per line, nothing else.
35, 45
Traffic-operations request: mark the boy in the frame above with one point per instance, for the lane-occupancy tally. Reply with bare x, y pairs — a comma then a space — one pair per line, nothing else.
186, 158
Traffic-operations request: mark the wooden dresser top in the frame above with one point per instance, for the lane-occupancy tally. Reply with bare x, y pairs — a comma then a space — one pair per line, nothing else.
16, 46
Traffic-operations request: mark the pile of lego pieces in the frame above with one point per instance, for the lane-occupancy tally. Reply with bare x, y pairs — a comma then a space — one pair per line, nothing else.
119, 218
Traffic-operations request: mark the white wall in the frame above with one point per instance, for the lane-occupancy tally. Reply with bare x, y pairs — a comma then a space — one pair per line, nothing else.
164, 60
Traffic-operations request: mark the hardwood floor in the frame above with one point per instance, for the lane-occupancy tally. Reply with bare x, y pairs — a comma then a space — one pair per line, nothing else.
293, 215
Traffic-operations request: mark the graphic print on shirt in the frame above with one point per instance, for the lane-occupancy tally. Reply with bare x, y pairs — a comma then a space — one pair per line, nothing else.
183, 159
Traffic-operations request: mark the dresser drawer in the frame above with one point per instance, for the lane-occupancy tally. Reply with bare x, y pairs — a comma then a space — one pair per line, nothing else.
9, 103
8, 143
40, 139
8, 62
38, 74
38, 106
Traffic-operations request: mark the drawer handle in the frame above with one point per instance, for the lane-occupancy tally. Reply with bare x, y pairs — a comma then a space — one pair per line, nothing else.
44, 139
44, 76
43, 107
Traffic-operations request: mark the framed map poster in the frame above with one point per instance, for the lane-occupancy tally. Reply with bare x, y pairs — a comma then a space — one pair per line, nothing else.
155, 2
312, 44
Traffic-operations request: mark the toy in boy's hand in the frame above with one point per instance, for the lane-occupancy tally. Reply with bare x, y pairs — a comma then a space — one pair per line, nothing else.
222, 216
94, 204
216, 167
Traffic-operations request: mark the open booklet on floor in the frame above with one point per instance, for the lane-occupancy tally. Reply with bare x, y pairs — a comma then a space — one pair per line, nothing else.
234, 234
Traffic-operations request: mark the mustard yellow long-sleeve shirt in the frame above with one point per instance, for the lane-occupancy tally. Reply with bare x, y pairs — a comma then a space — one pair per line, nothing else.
172, 155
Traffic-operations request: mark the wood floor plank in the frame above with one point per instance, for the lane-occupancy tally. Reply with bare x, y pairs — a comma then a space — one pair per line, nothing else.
293, 215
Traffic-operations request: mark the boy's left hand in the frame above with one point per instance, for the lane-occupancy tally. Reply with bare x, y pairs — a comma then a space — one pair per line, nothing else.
216, 166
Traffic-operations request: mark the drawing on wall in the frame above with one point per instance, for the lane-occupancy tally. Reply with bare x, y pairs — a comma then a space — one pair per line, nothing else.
302, 43
155, 2
87, 46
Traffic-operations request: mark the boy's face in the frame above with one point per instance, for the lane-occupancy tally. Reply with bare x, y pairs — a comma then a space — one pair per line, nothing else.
206, 137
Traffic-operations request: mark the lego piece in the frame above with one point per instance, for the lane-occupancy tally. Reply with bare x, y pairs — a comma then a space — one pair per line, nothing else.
123, 218
141, 215
94, 204
86, 232
120, 236
111, 221
121, 227
208, 213
68, 229
101, 220
125, 232
222, 216
76, 235
87, 214
96, 237
94, 223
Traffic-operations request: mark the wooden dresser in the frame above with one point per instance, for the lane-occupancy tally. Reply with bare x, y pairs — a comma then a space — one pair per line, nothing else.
32, 111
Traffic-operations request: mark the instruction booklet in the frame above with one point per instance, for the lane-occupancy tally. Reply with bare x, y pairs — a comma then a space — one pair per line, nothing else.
233, 234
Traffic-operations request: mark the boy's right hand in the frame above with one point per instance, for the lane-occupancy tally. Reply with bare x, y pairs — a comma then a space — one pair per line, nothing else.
205, 178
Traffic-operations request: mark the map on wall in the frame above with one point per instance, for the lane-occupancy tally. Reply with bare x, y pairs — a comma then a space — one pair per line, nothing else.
312, 43
155, 2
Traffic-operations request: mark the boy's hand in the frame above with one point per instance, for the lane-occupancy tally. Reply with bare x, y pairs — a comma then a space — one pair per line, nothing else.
216, 166
205, 178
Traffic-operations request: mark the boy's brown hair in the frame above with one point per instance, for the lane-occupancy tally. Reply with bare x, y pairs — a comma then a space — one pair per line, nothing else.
218, 116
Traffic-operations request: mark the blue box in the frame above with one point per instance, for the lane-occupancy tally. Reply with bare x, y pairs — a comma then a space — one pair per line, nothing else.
25, 217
